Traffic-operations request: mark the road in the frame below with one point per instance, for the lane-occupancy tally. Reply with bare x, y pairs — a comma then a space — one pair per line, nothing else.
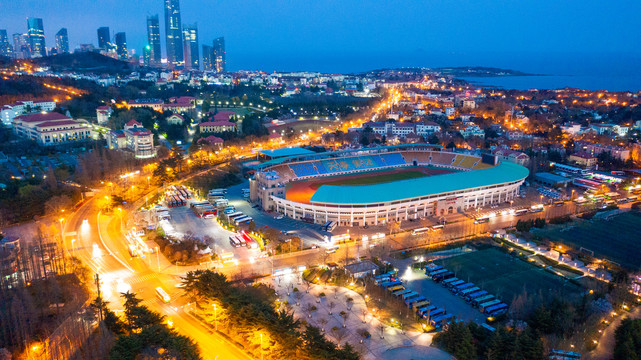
97, 243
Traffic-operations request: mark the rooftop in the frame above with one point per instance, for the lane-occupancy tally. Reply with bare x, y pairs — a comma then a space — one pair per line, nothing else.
505, 172
40, 117
292, 151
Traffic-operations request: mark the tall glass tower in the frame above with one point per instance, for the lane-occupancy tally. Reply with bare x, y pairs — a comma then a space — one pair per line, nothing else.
121, 46
190, 37
153, 40
62, 41
173, 34
36, 33
220, 63
104, 38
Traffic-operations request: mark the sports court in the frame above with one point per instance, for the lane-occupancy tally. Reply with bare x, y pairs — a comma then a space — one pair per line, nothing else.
302, 191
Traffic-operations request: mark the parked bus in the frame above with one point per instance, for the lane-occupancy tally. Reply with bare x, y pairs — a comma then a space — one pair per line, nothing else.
409, 295
235, 242
162, 294
393, 289
437, 227
419, 304
332, 225
482, 220
435, 313
462, 287
469, 291
485, 298
434, 273
391, 283
417, 299
249, 241
401, 291
442, 276
487, 304
324, 227
425, 311
448, 281
237, 220
496, 310
476, 294
454, 284
432, 267
439, 321
196, 203
520, 212
420, 231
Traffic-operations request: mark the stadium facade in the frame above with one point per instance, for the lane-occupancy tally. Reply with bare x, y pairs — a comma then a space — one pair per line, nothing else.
456, 182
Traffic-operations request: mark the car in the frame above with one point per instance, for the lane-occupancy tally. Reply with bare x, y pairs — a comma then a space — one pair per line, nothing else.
280, 217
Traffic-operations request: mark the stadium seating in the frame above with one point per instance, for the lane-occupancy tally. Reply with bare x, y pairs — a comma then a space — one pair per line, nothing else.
481, 165
284, 171
304, 169
320, 167
378, 160
442, 158
393, 159
468, 162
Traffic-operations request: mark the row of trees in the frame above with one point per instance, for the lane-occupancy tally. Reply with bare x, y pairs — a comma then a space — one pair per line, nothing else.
246, 311
143, 333
471, 341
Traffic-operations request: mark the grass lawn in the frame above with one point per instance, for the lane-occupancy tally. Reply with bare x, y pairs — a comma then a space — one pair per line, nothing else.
373, 178
616, 239
506, 276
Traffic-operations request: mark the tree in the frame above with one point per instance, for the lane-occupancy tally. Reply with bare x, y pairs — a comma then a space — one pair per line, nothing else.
627, 339
345, 316
331, 306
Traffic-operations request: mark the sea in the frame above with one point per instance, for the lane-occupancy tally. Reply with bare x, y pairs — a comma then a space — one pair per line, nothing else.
600, 71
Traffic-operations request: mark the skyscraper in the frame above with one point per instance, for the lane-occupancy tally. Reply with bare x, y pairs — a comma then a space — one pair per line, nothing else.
21, 46
153, 40
121, 46
104, 38
208, 57
36, 32
62, 41
5, 46
173, 32
190, 36
219, 54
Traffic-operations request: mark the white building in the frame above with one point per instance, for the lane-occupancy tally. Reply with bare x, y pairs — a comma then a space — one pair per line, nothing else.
103, 113
50, 129
473, 131
10, 111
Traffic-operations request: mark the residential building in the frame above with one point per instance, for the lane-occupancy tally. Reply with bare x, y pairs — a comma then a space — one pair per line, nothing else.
155, 104
133, 138
190, 39
450, 111
104, 38
103, 113
616, 151
513, 156
571, 128
5, 46
216, 126
208, 57
21, 49
219, 55
469, 103
10, 111
175, 119
181, 104
153, 40
473, 131
583, 158
173, 34
212, 141
427, 128
62, 41
49, 129
36, 33
121, 46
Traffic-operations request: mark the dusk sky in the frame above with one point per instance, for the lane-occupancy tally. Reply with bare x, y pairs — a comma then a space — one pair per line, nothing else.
359, 35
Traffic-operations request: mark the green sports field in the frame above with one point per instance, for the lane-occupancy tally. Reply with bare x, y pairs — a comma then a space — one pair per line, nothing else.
506, 276
617, 239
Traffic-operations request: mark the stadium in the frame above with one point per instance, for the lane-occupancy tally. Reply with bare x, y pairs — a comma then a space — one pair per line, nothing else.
373, 186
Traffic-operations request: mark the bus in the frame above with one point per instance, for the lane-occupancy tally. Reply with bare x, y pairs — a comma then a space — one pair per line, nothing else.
469, 291
414, 300
235, 241
436, 312
425, 310
564, 355
420, 231
196, 203
488, 304
482, 220
246, 220
409, 295
476, 294
482, 299
439, 321
454, 284
337, 238
434, 273
431, 268
460, 288
234, 215
419, 304
442, 276
400, 290
324, 226
496, 310
450, 280
162, 294
239, 219
332, 225
520, 212
394, 289
249, 241
437, 227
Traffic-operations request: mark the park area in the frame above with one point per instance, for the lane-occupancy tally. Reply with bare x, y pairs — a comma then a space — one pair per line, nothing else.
615, 238
302, 191
506, 276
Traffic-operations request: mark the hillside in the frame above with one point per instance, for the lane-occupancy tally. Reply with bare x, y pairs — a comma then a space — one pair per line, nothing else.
84, 62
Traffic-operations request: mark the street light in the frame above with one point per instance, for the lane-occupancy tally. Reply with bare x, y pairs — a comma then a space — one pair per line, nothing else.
62, 238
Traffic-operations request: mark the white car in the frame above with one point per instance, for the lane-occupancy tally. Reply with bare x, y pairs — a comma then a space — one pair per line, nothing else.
280, 217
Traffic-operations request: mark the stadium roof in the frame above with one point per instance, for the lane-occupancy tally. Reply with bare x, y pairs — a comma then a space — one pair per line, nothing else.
414, 188
292, 151
334, 154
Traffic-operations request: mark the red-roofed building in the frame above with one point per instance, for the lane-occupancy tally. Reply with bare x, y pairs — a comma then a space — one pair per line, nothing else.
212, 141
175, 119
133, 138
216, 127
50, 129
512, 156
583, 158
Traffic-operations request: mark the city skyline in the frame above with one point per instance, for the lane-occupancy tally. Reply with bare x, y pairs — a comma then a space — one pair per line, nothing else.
431, 35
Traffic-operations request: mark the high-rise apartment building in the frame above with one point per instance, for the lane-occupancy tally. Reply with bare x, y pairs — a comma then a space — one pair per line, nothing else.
208, 57
220, 62
62, 41
121, 46
5, 46
104, 38
153, 41
190, 38
36, 33
21, 46
173, 34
